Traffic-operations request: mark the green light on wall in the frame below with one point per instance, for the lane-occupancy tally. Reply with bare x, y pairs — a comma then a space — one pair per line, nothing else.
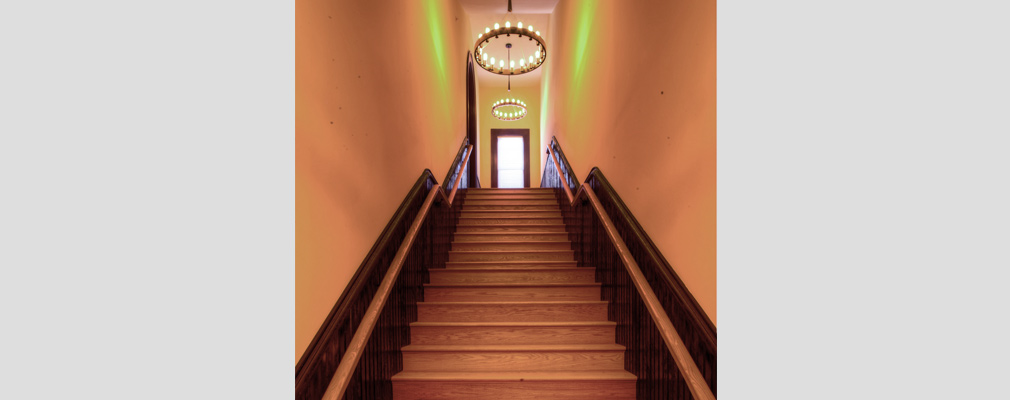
435, 26
581, 41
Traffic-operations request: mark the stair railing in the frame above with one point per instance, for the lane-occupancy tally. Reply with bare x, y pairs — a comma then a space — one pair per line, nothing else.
357, 349
644, 319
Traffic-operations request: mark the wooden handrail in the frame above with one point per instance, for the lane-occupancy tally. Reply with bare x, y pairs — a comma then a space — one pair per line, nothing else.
459, 175
688, 369
681, 356
349, 362
564, 183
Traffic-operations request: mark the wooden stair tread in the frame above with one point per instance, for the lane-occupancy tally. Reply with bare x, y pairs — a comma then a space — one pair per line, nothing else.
499, 213
520, 303
511, 347
515, 324
527, 226
516, 310
496, 265
517, 190
505, 217
502, 202
544, 199
508, 269
509, 285
512, 315
515, 228
479, 234
513, 376
515, 242
511, 207
511, 246
510, 251
507, 263
511, 221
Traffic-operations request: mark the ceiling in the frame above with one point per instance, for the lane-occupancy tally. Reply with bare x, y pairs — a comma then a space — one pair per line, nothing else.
500, 6
485, 13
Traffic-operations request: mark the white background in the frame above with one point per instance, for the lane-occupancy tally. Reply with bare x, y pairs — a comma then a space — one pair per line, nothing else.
147, 199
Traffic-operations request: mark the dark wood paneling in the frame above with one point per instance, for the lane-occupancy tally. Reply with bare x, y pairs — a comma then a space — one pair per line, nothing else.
525, 134
471, 122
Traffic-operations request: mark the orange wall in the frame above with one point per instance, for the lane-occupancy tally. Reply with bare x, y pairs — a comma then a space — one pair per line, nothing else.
380, 95
631, 88
488, 95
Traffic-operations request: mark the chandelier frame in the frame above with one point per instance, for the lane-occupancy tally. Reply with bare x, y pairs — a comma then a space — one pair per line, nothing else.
508, 31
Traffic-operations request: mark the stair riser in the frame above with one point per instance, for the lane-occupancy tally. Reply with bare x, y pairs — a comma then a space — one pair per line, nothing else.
511, 221
495, 335
502, 237
559, 255
557, 390
511, 214
530, 202
510, 265
577, 293
481, 196
549, 207
465, 246
461, 312
546, 201
509, 229
509, 191
480, 361
579, 275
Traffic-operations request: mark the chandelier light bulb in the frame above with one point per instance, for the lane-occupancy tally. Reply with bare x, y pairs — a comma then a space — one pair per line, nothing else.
537, 54
484, 55
508, 24
522, 63
486, 29
529, 28
520, 25
512, 64
501, 63
496, 26
538, 33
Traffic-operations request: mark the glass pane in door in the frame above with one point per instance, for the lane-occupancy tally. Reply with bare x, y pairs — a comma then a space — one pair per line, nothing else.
510, 162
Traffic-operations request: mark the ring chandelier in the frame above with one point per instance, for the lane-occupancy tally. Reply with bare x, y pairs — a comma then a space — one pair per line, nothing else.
502, 66
509, 109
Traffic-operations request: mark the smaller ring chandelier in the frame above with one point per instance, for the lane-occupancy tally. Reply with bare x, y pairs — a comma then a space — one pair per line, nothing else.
514, 109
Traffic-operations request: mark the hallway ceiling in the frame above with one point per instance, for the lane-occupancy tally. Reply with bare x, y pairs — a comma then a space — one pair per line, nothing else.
500, 6
485, 13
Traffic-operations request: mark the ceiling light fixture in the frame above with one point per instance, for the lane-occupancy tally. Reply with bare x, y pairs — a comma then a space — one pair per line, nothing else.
509, 109
537, 52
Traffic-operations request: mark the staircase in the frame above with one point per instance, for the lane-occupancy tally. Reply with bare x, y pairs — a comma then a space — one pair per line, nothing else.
512, 316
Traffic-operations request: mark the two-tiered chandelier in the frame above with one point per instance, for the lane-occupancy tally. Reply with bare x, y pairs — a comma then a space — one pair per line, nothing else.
513, 109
